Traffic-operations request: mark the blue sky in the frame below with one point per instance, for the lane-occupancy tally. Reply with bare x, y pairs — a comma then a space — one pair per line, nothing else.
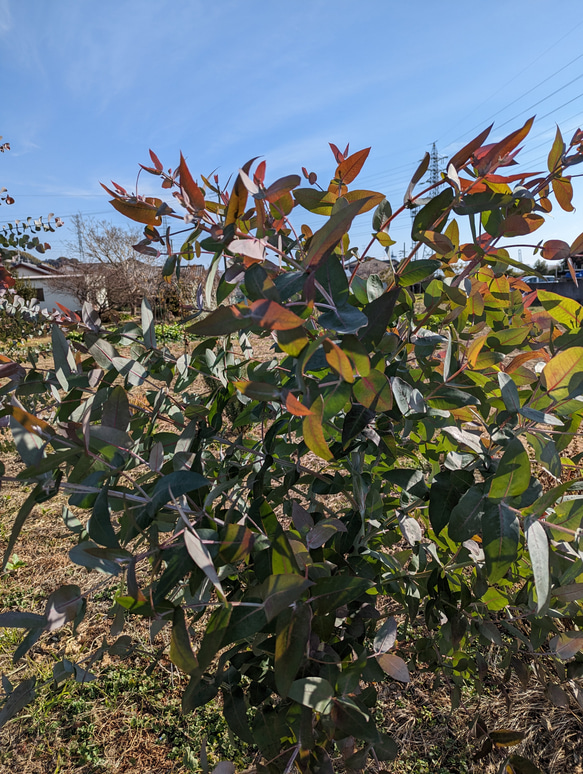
88, 87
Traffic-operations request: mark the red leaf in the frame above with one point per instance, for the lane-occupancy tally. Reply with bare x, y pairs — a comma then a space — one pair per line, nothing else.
6, 280
190, 187
337, 155
296, 408
282, 186
259, 174
350, 167
274, 316
238, 198
500, 153
462, 156
156, 161
555, 250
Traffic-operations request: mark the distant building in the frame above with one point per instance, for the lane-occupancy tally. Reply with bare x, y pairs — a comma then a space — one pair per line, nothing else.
41, 279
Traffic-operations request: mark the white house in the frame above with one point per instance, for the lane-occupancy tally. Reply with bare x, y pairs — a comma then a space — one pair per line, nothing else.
41, 278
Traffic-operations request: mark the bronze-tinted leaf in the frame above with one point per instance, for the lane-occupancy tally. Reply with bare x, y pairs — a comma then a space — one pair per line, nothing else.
563, 191
555, 250
374, 391
274, 316
464, 155
338, 360
500, 151
349, 168
394, 666
556, 152
138, 211
282, 186
190, 187
506, 737
296, 408
313, 432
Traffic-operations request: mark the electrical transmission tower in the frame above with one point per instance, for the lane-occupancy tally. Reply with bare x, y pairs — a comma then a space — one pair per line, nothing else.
77, 221
434, 172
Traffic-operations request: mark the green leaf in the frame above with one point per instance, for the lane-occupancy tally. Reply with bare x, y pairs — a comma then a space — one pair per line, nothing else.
353, 720
313, 692
181, 653
175, 485
99, 527
417, 271
14, 619
513, 474
344, 319
465, 520
374, 392
323, 532
386, 636
63, 606
200, 555
565, 311
30, 446
540, 417
355, 422
509, 392
331, 593
22, 695
148, 327
214, 636
326, 238
318, 202
431, 215
444, 496
567, 514
538, 549
235, 711
107, 560
23, 514
382, 213
546, 454
292, 636
63, 357
224, 320
116, 410
500, 536
281, 591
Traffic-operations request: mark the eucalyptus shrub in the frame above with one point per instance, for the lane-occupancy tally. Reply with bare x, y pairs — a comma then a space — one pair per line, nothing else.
365, 503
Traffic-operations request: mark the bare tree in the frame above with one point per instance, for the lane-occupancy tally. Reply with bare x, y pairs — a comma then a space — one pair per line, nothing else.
110, 274
115, 276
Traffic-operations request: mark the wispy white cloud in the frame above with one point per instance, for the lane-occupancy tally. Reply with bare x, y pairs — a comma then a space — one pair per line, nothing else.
5, 17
